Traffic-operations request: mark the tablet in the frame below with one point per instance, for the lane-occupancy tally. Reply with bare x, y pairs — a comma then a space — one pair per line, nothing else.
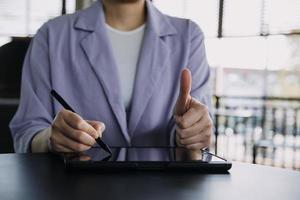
145, 158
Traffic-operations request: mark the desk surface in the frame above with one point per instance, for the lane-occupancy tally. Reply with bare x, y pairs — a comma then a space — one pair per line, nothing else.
42, 176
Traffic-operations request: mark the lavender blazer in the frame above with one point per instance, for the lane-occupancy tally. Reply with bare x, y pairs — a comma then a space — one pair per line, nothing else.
72, 55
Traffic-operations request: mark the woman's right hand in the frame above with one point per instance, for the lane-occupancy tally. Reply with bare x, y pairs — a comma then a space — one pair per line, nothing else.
70, 133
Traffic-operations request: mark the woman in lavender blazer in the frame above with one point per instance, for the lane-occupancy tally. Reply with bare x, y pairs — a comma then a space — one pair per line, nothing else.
72, 55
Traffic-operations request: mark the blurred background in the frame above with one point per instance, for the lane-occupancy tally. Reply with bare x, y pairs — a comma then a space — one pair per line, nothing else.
253, 48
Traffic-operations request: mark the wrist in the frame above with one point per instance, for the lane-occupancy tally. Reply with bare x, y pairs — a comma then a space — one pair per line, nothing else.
41, 141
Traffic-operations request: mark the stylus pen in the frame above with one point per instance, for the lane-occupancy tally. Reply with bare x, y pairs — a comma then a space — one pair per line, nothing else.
67, 107
206, 151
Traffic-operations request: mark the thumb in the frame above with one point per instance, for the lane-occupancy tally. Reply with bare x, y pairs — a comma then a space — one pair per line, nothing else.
184, 97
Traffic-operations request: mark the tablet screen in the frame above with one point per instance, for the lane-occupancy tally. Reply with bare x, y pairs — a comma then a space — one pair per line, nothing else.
143, 154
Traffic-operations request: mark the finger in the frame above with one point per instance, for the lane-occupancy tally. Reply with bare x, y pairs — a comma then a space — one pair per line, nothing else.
197, 146
199, 137
178, 141
56, 144
184, 93
193, 115
84, 158
76, 122
60, 139
99, 126
191, 140
196, 112
186, 133
60, 148
199, 126
74, 134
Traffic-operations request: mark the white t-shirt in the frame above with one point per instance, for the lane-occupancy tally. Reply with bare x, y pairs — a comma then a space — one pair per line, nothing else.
126, 47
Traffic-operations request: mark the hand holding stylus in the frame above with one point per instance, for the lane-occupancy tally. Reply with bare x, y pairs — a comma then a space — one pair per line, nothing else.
71, 133
193, 123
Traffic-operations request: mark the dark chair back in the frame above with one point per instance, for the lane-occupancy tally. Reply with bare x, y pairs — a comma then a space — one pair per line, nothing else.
7, 110
12, 56
11, 60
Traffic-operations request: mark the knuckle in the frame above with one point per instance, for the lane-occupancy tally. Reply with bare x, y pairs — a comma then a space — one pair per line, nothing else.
181, 141
63, 114
178, 136
53, 142
91, 131
208, 134
63, 111
79, 135
78, 123
184, 123
55, 125
97, 126
53, 133
56, 122
179, 121
184, 133
180, 133
60, 113
209, 125
100, 127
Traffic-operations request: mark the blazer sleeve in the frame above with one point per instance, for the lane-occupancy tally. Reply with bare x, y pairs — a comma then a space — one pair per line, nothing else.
35, 107
199, 67
200, 70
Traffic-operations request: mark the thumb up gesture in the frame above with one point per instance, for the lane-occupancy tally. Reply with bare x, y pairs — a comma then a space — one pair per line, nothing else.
193, 122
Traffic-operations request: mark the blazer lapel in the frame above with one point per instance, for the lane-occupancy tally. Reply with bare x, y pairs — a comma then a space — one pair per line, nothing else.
99, 54
152, 61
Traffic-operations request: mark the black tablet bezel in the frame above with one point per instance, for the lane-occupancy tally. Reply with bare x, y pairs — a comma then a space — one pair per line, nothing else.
200, 166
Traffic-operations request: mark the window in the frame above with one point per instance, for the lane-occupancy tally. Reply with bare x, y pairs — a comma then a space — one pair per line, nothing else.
24, 17
249, 43
204, 12
242, 18
281, 16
